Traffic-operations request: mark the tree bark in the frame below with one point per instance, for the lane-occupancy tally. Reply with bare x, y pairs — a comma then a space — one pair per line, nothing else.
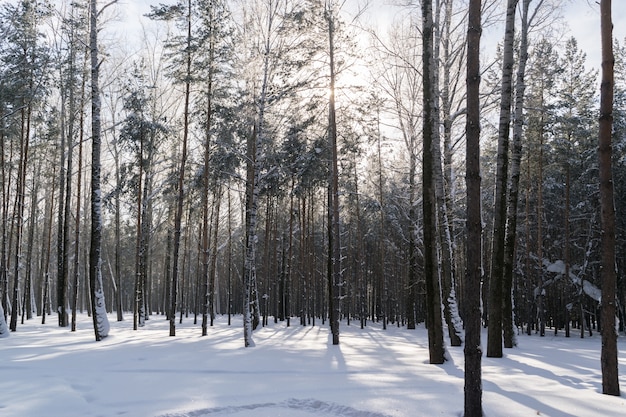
516, 161
178, 216
334, 244
98, 308
608, 274
472, 350
496, 295
431, 272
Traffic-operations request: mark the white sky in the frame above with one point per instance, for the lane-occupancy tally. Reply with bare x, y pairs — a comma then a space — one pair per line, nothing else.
581, 16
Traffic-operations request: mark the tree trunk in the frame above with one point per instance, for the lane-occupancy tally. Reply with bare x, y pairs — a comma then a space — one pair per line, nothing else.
516, 161
496, 294
18, 215
334, 241
431, 272
178, 216
98, 308
610, 374
472, 350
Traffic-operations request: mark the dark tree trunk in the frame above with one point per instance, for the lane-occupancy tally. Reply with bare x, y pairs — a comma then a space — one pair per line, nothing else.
472, 350
180, 197
496, 294
610, 377
431, 273
334, 243
516, 161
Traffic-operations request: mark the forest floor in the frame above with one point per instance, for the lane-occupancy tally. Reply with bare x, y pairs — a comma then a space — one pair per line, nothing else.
293, 371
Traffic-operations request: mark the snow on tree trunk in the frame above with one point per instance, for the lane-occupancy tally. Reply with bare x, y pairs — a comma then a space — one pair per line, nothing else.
98, 307
4, 329
452, 318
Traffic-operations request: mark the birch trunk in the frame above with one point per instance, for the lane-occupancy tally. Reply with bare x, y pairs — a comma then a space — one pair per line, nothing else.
431, 274
98, 308
494, 335
508, 324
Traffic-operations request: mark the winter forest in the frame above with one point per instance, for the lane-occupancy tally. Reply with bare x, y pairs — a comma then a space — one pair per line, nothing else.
297, 161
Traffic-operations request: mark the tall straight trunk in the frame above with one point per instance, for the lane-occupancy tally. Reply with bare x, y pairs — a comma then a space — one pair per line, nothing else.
138, 290
45, 261
76, 270
118, 231
217, 199
431, 272
541, 290
178, 216
61, 264
610, 374
494, 335
27, 306
4, 276
411, 290
205, 192
249, 267
472, 350
381, 225
513, 199
255, 161
289, 264
18, 215
98, 307
334, 243
444, 238
229, 268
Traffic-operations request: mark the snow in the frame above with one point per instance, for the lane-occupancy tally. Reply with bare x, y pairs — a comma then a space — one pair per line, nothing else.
558, 267
293, 371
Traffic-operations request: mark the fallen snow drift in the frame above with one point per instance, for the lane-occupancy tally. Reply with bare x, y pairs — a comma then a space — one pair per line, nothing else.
296, 372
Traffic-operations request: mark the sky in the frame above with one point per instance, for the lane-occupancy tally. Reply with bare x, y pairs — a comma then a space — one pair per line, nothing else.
581, 17
294, 371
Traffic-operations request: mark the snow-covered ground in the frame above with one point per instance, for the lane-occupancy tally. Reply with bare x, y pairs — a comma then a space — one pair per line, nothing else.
46, 371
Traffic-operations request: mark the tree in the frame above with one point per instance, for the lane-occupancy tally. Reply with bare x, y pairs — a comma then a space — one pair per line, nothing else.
494, 338
472, 349
26, 61
431, 272
513, 196
334, 229
610, 379
98, 307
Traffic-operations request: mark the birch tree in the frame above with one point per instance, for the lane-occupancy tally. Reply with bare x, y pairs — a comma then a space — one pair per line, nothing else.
494, 338
431, 272
98, 307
